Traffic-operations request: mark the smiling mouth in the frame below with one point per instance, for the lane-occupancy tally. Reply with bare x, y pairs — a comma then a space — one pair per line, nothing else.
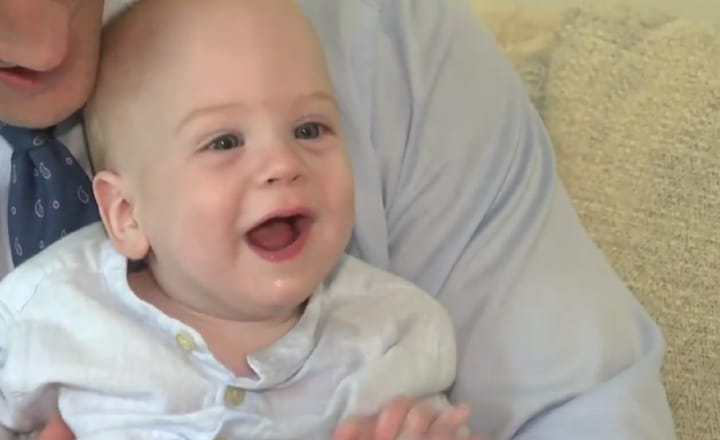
280, 238
277, 233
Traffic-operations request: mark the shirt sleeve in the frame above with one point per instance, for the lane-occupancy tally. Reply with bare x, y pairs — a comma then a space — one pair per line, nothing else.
24, 407
552, 345
13, 417
413, 353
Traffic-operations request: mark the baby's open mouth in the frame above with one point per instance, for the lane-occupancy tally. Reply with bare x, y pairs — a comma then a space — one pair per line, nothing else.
278, 233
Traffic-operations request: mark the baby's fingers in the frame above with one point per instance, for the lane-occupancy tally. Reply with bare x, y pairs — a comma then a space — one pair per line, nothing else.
451, 422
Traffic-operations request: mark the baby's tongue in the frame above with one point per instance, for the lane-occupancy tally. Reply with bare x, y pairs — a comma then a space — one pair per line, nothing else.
272, 235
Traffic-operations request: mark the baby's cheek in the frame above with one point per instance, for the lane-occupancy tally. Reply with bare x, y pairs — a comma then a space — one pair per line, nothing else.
202, 219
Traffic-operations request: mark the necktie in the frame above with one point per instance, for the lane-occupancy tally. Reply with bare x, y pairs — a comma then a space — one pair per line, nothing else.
50, 195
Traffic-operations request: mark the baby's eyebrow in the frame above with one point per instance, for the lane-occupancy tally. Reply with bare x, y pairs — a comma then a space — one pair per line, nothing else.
201, 112
298, 101
319, 95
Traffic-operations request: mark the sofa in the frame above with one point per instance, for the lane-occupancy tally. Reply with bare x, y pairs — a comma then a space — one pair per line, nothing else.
631, 100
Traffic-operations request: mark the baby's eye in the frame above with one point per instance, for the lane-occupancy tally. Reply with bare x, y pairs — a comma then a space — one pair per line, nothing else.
225, 142
310, 130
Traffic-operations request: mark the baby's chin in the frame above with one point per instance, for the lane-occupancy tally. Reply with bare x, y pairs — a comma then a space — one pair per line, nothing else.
277, 301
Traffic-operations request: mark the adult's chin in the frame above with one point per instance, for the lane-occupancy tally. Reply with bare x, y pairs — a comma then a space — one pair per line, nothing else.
36, 116
55, 98
41, 110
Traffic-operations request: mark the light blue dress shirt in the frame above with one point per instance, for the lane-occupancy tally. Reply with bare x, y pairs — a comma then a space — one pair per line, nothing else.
457, 191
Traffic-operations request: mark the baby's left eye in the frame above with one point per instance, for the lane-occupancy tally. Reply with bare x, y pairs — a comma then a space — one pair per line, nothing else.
225, 142
310, 130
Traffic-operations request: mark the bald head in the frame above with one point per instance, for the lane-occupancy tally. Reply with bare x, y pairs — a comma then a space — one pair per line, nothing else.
156, 51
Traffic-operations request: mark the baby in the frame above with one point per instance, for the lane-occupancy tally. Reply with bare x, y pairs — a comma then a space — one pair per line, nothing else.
223, 179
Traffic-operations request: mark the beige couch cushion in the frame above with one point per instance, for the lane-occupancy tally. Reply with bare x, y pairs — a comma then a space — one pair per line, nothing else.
632, 102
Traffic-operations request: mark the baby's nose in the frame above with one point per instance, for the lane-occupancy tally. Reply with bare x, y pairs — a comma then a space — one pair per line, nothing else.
284, 166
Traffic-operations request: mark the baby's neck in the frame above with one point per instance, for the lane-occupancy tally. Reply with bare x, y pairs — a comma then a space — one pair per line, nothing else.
230, 341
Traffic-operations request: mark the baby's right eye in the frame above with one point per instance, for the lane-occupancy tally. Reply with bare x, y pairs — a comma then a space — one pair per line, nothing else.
225, 142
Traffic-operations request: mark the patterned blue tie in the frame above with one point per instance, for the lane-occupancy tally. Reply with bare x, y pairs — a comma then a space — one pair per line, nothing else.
50, 194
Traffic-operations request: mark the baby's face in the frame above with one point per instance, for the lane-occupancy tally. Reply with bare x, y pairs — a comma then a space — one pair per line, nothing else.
243, 185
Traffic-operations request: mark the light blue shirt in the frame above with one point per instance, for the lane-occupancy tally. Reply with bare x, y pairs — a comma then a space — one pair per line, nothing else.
457, 191
74, 336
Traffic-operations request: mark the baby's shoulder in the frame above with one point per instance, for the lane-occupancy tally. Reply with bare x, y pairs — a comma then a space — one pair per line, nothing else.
74, 263
355, 282
372, 318
359, 295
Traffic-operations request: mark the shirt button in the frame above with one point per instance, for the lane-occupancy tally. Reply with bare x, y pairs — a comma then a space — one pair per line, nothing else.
185, 341
234, 396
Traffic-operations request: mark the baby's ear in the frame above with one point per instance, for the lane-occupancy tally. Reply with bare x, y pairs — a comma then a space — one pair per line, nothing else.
118, 215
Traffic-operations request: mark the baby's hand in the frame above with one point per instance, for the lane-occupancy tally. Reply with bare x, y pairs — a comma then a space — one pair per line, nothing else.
56, 429
404, 418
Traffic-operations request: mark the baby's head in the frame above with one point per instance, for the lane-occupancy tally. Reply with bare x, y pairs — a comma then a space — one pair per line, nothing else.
219, 153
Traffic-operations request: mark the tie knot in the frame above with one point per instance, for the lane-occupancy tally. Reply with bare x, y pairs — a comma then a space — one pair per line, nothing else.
23, 139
